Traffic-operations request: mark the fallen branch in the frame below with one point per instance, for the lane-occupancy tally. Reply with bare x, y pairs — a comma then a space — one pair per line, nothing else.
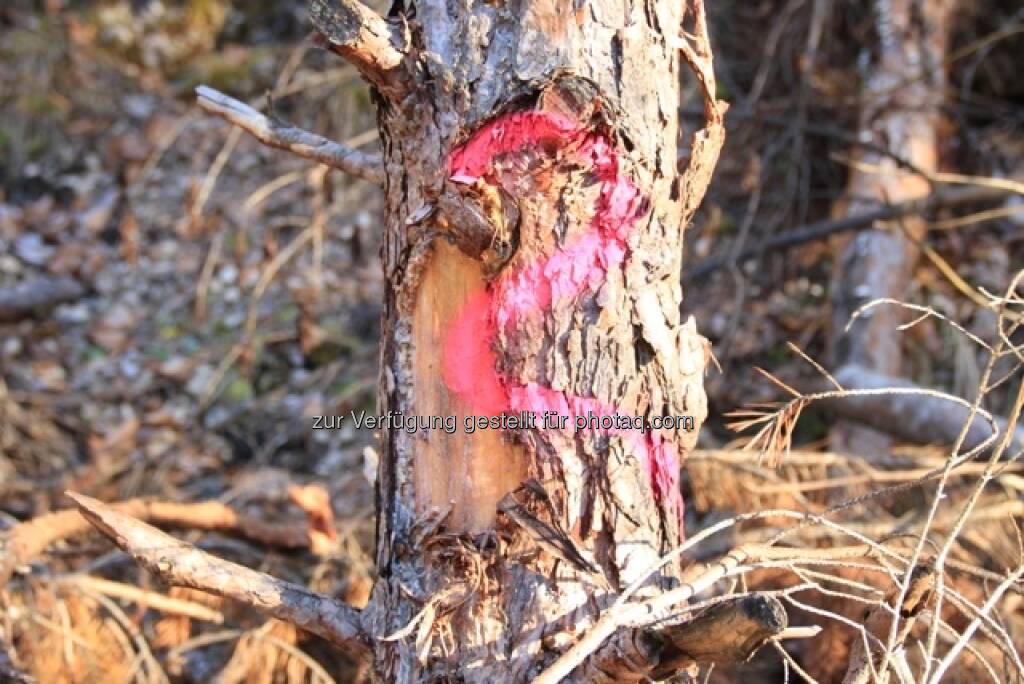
26, 541
181, 564
915, 418
28, 298
642, 614
821, 230
284, 136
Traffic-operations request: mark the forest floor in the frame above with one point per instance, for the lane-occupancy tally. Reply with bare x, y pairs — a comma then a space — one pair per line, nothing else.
213, 296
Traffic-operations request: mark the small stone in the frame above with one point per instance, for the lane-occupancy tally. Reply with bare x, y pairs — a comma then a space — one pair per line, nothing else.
130, 367
175, 368
73, 313
32, 250
114, 329
9, 265
234, 319
228, 274
50, 375
12, 346
202, 375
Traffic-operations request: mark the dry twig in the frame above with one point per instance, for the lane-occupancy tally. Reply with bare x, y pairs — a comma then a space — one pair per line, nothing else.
284, 136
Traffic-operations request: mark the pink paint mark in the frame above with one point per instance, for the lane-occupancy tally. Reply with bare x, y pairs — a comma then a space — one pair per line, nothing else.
470, 368
509, 133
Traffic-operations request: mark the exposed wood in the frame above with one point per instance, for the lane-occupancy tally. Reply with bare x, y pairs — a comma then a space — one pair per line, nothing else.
450, 473
899, 111
914, 418
282, 135
182, 564
35, 296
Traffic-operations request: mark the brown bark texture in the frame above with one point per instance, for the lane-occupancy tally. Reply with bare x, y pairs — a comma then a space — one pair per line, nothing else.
534, 221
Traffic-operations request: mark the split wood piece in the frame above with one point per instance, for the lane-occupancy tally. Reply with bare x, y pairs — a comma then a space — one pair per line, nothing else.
915, 418
729, 632
820, 230
28, 540
181, 564
865, 658
42, 294
284, 136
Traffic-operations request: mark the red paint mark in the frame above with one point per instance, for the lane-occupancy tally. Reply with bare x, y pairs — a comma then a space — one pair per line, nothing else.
470, 368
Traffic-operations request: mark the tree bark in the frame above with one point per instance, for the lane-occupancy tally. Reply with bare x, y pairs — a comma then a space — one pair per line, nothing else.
534, 222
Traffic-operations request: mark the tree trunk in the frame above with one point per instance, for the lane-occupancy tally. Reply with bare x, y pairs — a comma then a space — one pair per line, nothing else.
899, 113
534, 227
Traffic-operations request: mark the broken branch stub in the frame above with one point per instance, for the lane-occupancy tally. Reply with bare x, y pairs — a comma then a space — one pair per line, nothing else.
364, 38
729, 632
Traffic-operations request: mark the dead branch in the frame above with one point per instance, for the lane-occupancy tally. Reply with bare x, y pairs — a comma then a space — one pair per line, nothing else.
26, 541
821, 230
364, 38
728, 632
181, 564
865, 653
284, 136
916, 418
8, 672
25, 299
642, 615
